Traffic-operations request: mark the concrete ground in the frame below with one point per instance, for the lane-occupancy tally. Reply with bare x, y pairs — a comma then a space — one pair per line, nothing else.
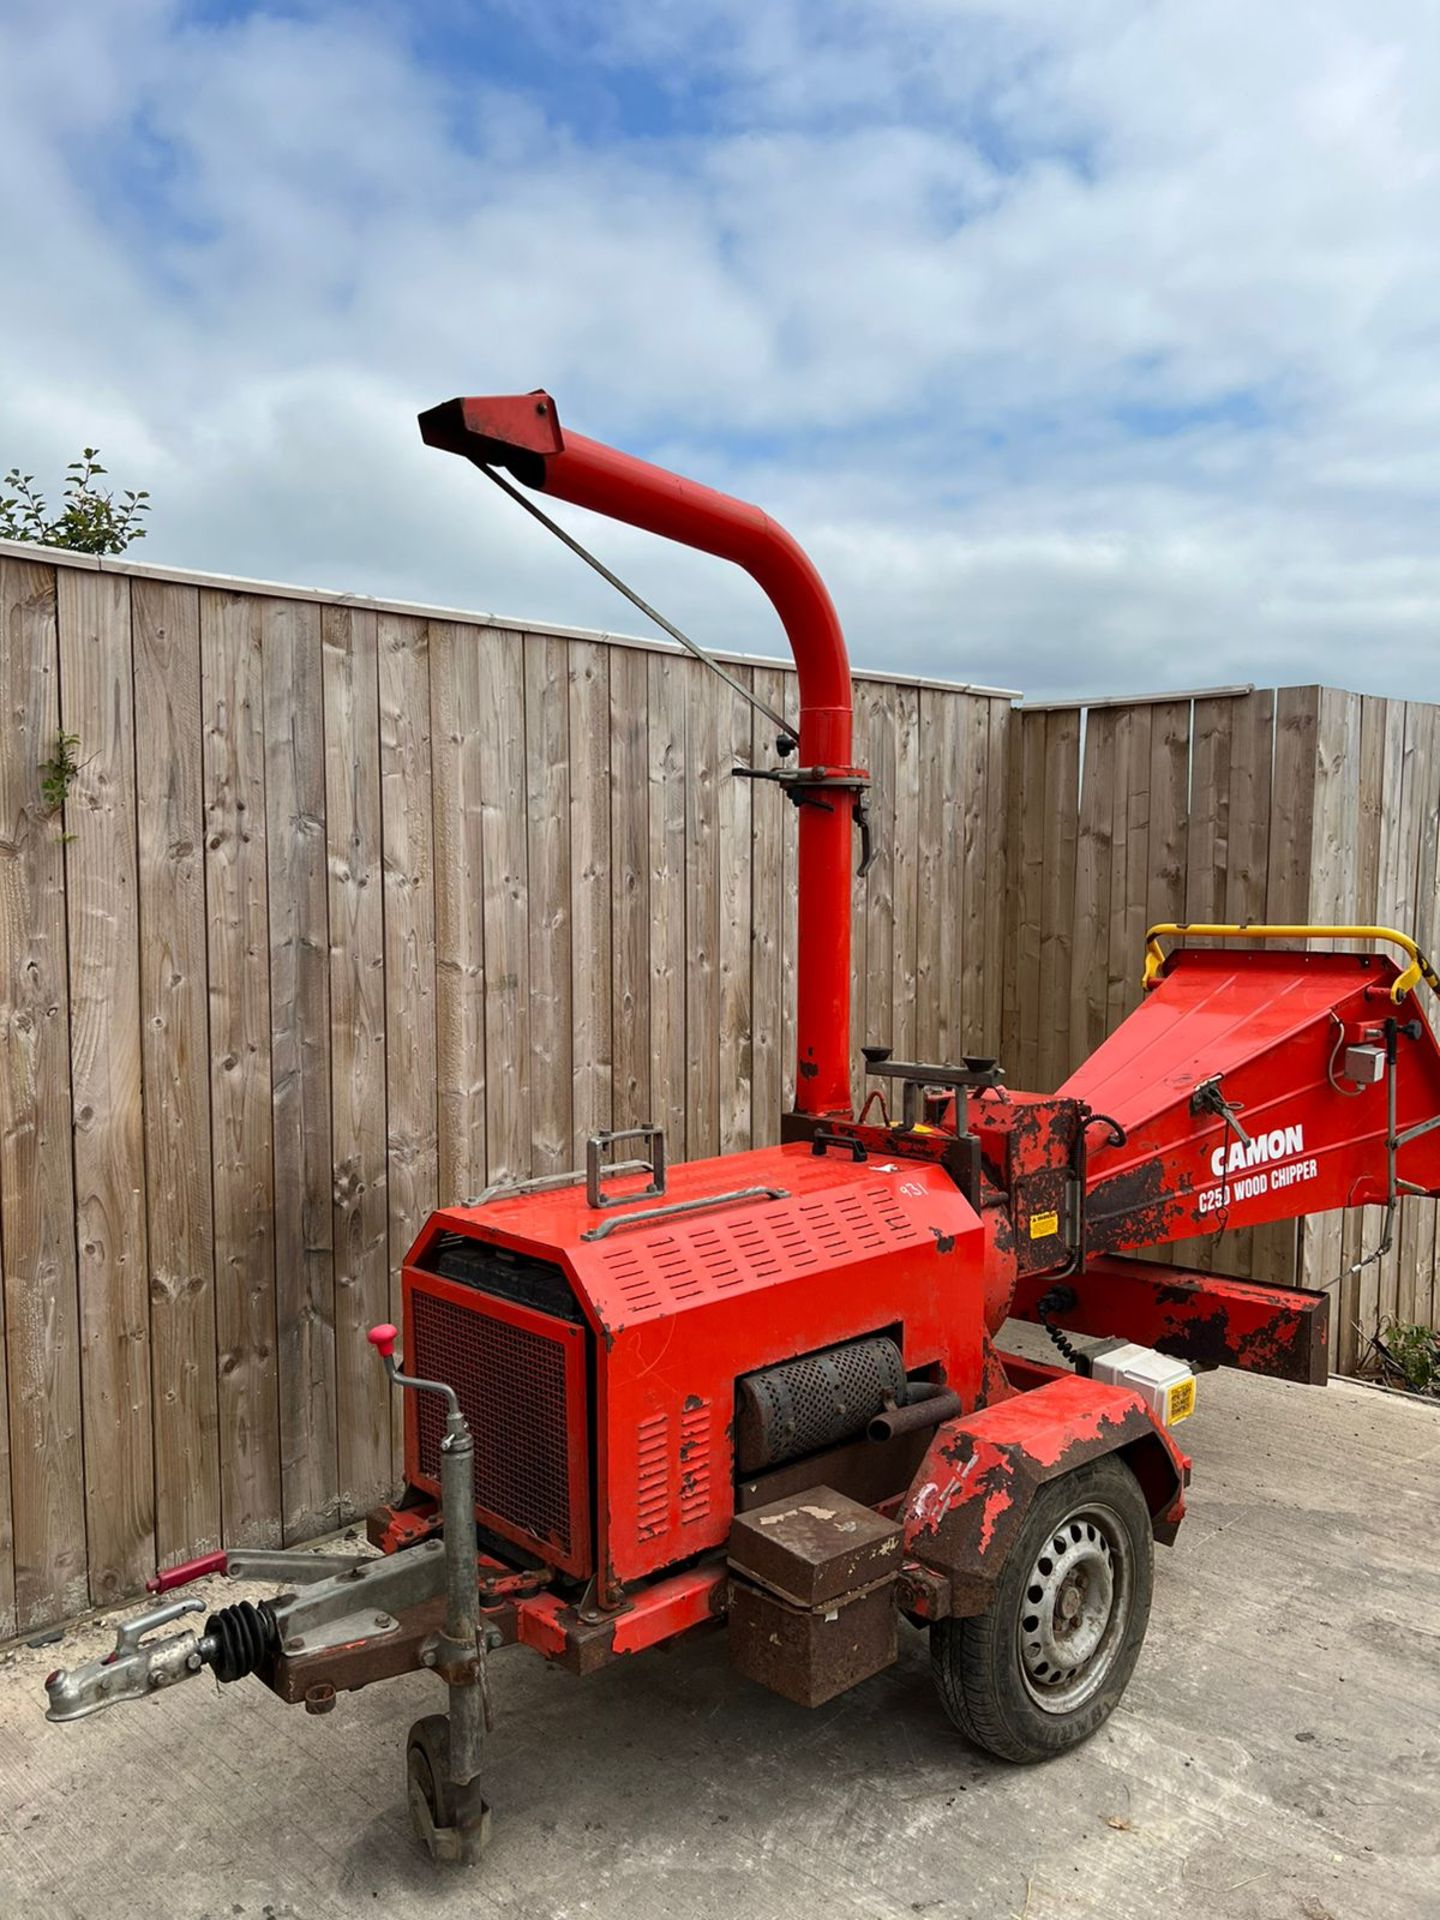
1277, 1755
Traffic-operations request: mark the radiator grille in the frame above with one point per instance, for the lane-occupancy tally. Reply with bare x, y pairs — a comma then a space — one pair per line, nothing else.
511, 1383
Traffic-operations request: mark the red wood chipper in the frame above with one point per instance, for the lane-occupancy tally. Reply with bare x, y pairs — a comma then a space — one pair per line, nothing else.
770, 1387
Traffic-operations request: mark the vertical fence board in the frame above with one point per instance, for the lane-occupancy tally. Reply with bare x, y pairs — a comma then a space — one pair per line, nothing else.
929, 870
767, 912
629, 807
1061, 788
734, 828
460, 1067
1292, 821
879, 705
999, 725
1130, 864
668, 953
232, 687
505, 895
1207, 857
408, 836
1251, 758
1410, 1302
905, 873
555, 1070
591, 905
1026, 890
170, 824
1094, 853
357, 1048
953, 723
969, 854
702, 912
1169, 812
97, 706
37, 1195
294, 674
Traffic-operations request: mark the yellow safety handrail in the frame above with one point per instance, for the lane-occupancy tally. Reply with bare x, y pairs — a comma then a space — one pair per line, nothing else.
1419, 968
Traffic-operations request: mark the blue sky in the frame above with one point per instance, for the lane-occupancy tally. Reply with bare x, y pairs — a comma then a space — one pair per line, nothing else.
1090, 345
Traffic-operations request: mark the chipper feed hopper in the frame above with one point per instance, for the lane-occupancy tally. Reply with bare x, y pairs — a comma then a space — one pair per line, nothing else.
772, 1388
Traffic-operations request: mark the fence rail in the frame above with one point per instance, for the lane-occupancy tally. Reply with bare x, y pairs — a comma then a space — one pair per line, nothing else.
352, 909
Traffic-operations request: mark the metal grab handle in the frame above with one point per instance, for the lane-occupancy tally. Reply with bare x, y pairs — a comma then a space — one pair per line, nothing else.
1419, 968
131, 1632
823, 1138
508, 1189
684, 1206
599, 1144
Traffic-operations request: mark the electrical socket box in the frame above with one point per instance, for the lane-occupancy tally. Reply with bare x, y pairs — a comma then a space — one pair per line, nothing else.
1166, 1386
1365, 1066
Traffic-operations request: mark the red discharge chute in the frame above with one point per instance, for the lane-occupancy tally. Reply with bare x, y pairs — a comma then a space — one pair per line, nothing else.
522, 433
1230, 1081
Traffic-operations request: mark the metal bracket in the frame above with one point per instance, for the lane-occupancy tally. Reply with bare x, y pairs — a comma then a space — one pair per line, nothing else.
1207, 1098
975, 1073
804, 785
596, 1170
823, 1137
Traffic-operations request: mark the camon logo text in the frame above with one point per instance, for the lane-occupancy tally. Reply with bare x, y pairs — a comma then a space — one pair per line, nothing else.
1264, 1148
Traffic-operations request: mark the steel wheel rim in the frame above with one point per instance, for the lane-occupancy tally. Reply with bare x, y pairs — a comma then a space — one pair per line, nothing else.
1074, 1609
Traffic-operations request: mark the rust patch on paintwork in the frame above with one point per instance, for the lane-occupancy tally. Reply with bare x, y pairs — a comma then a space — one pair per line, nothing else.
944, 1242
1136, 1208
1208, 1319
1175, 1296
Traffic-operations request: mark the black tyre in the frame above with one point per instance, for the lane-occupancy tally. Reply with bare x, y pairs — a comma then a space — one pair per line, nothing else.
451, 1823
427, 1774
1047, 1662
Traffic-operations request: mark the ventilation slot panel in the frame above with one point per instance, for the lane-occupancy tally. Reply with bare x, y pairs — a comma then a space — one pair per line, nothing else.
695, 1463
652, 1476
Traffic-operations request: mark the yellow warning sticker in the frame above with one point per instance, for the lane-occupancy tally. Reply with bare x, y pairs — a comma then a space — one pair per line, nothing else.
1042, 1225
1179, 1401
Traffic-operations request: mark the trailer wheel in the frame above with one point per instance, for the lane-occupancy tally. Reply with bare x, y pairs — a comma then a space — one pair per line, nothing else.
452, 1824
1047, 1662
427, 1777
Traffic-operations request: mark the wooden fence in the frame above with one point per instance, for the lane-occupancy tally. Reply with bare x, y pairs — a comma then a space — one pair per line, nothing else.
1309, 804
349, 910
352, 909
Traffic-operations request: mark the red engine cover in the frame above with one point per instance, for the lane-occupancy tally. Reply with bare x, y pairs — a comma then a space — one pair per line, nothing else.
680, 1307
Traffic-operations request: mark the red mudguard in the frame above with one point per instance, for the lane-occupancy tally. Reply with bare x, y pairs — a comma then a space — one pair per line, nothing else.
967, 1502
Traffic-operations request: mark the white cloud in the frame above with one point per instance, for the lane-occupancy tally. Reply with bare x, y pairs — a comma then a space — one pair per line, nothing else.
1089, 346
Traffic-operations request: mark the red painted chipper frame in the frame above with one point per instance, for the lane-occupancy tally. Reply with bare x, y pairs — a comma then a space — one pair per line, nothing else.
773, 1387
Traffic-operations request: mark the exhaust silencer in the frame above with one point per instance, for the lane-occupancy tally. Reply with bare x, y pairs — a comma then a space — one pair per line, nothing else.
818, 1401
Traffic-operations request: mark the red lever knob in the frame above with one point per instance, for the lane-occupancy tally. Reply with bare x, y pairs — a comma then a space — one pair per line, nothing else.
383, 1340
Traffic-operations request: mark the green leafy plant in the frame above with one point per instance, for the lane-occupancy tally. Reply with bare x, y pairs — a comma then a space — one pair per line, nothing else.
1409, 1356
90, 521
59, 773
